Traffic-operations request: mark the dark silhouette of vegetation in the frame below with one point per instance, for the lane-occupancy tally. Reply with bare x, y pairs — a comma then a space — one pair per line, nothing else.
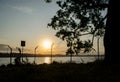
61, 72
19, 58
18, 61
111, 41
76, 18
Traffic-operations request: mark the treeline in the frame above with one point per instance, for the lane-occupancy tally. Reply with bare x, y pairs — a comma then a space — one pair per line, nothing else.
44, 55
15, 55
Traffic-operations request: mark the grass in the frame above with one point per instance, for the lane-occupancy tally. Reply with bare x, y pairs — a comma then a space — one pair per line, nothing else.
61, 72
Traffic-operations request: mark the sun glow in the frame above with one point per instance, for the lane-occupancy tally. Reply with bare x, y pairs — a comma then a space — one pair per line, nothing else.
47, 44
47, 60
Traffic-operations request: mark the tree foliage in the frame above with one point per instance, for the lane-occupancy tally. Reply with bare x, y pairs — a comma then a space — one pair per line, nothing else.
77, 18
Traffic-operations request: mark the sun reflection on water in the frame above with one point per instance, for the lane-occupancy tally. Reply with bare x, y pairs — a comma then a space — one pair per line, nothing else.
47, 60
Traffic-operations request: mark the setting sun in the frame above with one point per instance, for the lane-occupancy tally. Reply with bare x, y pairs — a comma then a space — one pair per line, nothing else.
47, 44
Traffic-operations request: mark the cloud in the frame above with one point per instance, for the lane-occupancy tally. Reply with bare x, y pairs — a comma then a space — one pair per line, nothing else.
3, 47
23, 9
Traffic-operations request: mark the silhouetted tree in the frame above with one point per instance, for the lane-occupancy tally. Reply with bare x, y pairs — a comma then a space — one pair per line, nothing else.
111, 41
76, 18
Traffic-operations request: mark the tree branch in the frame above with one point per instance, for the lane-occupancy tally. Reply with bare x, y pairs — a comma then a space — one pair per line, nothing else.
100, 23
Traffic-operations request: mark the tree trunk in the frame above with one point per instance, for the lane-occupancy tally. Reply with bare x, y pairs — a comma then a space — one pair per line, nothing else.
111, 38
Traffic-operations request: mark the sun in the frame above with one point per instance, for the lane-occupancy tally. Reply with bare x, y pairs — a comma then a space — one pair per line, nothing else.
47, 44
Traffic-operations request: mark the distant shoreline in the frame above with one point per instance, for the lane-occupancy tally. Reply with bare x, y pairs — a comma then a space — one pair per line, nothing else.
48, 55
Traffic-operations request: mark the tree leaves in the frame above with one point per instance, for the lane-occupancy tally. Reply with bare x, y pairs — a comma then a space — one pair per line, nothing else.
76, 18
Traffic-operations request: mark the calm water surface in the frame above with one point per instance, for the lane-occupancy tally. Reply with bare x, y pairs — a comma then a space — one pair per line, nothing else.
41, 60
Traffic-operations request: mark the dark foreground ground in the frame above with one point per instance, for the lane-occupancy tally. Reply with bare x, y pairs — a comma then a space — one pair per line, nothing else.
56, 72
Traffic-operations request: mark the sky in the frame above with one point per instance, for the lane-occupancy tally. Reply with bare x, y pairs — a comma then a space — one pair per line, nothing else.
27, 20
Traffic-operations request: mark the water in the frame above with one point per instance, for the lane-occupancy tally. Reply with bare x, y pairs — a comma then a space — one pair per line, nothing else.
41, 60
